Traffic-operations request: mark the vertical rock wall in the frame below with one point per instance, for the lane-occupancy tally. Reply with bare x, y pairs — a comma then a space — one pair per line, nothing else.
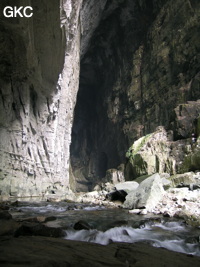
39, 75
143, 61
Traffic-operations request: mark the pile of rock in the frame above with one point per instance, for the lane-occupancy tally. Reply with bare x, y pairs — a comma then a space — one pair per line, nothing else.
177, 195
181, 199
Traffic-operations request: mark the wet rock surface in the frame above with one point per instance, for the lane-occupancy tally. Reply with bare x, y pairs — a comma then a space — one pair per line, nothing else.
37, 229
80, 225
42, 234
44, 251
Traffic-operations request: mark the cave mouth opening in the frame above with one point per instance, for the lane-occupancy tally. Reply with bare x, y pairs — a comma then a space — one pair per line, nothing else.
99, 140
89, 159
95, 138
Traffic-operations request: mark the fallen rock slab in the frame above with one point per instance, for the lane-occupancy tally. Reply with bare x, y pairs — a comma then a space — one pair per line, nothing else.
44, 251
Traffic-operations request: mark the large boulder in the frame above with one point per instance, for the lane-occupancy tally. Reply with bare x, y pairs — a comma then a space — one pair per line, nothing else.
156, 152
80, 225
147, 195
127, 186
150, 154
113, 177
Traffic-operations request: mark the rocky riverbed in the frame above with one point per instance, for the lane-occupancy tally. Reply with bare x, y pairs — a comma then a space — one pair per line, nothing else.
40, 239
172, 196
48, 251
159, 210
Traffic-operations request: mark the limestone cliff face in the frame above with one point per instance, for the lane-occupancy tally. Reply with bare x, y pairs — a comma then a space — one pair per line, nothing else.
141, 65
39, 75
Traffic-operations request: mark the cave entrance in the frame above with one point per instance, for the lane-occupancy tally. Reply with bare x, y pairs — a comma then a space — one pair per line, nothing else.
98, 140
88, 162
94, 145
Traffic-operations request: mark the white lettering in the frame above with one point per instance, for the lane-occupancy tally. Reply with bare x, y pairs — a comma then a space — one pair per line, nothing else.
9, 13
20, 11
31, 14
17, 11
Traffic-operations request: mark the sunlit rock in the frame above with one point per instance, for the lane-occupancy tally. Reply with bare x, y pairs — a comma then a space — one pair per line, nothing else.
150, 154
156, 152
147, 195
127, 186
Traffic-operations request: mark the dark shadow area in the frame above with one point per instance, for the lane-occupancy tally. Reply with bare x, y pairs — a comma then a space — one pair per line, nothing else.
99, 141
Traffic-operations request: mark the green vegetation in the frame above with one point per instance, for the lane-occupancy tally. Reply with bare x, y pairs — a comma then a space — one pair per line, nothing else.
137, 145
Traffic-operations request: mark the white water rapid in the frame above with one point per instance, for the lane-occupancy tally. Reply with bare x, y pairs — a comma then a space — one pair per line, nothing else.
115, 225
167, 236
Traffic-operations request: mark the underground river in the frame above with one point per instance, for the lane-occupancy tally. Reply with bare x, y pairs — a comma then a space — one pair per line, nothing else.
106, 225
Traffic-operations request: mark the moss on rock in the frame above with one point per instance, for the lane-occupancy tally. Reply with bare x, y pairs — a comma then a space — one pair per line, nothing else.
137, 145
192, 161
148, 155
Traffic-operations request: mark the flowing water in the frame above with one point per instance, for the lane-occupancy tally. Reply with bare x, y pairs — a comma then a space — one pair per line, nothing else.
115, 225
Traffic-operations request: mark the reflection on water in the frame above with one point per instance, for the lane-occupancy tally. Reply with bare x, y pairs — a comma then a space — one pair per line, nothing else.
115, 225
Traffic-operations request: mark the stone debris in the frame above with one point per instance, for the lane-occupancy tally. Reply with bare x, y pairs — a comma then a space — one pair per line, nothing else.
150, 196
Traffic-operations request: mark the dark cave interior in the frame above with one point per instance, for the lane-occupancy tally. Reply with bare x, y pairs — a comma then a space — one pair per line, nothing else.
98, 141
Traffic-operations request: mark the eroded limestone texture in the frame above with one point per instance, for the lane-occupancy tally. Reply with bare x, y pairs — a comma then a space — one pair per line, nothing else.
39, 59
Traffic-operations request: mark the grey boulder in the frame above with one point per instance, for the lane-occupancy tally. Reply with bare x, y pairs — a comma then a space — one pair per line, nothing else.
127, 186
148, 194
